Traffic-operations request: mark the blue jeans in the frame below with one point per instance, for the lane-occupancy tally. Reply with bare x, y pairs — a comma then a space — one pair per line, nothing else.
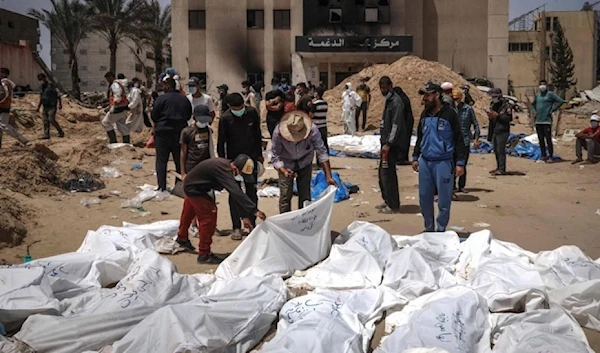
436, 175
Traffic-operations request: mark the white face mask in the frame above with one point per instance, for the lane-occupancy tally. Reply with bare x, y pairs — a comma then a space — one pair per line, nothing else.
238, 178
543, 88
201, 125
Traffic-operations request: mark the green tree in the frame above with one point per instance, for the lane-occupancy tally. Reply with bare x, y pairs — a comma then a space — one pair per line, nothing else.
116, 20
562, 67
68, 23
156, 35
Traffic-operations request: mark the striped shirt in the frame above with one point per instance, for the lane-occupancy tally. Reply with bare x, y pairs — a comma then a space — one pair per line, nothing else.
319, 110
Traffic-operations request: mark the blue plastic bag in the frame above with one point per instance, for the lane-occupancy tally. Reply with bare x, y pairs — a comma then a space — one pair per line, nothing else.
318, 185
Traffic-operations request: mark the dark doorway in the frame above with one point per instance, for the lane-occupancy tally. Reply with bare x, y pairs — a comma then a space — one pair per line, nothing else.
341, 76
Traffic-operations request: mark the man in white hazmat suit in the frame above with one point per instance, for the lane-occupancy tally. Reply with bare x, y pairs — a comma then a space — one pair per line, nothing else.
117, 110
350, 101
135, 120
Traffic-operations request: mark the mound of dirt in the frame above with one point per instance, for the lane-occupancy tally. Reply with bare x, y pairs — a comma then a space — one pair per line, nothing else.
411, 73
12, 222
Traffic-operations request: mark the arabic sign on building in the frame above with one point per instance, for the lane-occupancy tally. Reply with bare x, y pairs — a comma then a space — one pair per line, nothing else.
355, 44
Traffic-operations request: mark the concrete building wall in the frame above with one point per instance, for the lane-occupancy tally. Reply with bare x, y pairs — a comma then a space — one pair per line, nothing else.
497, 42
580, 31
15, 27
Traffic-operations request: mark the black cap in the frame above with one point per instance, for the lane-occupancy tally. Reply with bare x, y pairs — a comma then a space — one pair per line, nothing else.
194, 81
202, 114
431, 87
245, 165
223, 87
495, 92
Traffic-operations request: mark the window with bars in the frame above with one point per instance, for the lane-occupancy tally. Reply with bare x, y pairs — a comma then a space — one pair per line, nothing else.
197, 19
281, 19
255, 19
520, 47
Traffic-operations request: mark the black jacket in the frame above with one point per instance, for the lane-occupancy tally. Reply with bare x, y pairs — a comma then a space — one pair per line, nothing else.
240, 135
171, 112
502, 123
393, 122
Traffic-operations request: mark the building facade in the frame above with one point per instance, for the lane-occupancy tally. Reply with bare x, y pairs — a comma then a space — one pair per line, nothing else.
527, 45
93, 58
19, 39
227, 41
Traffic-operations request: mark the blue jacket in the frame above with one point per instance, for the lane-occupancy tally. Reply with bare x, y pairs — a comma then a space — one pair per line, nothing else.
440, 138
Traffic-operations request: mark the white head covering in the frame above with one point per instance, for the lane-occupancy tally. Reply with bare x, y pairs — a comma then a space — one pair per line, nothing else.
349, 85
447, 86
595, 117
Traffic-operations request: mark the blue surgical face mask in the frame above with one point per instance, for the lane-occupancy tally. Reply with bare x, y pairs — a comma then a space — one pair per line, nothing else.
388, 95
192, 90
274, 87
201, 125
238, 178
238, 113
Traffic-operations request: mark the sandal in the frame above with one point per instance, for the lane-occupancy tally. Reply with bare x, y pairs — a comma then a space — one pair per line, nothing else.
236, 234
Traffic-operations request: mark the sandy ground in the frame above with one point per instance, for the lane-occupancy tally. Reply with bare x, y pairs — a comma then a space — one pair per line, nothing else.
549, 206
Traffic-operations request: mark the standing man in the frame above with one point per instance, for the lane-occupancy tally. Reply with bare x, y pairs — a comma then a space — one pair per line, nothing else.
295, 141
283, 86
365, 95
410, 122
544, 104
318, 114
196, 140
135, 120
350, 101
500, 114
439, 144
248, 94
6, 94
197, 97
448, 87
393, 126
467, 118
199, 202
239, 133
589, 140
274, 101
305, 101
170, 114
117, 110
50, 100
223, 91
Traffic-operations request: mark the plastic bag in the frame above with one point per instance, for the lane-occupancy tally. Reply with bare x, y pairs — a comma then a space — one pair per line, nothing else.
319, 185
108, 172
89, 201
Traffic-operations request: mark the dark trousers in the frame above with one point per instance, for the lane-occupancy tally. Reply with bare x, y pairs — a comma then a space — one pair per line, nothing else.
166, 144
462, 180
323, 131
286, 188
544, 132
363, 108
271, 125
591, 146
388, 179
49, 116
499, 142
237, 212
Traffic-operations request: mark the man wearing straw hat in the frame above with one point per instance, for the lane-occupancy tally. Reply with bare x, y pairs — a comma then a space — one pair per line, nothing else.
294, 143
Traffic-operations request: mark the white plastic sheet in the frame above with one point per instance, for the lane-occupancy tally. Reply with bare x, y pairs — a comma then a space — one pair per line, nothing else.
538, 331
582, 300
285, 243
232, 317
357, 145
455, 319
102, 317
358, 263
75, 273
565, 266
148, 193
341, 321
269, 191
24, 292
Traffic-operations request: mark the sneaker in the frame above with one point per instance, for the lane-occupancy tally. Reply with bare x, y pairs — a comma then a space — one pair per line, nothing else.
388, 210
186, 244
193, 231
236, 234
210, 259
381, 207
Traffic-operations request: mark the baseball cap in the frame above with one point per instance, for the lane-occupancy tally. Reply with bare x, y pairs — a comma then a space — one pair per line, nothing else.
194, 81
595, 118
245, 165
202, 114
495, 92
223, 87
430, 87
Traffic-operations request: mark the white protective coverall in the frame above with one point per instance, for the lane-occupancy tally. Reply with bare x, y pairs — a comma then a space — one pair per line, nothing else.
350, 101
135, 120
117, 116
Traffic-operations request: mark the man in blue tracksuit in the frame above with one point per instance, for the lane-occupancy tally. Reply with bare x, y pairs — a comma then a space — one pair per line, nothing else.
439, 144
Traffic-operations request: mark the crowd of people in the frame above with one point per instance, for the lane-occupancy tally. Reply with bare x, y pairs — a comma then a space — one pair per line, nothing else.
180, 116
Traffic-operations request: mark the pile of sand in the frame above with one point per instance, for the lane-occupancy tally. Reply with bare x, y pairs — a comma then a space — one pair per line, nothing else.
411, 73
12, 221
71, 110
